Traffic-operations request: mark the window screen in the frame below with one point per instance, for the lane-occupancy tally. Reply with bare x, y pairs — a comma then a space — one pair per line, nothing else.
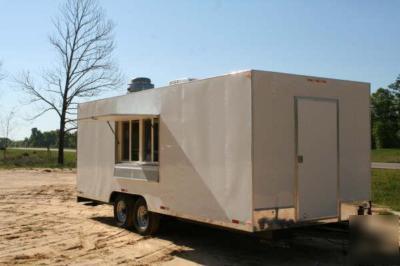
155, 136
147, 140
138, 140
135, 141
125, 141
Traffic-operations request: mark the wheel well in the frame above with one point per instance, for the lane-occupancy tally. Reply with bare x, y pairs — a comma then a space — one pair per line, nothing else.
115, 194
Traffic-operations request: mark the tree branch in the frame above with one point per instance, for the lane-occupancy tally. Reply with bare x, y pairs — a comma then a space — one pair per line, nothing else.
83, 41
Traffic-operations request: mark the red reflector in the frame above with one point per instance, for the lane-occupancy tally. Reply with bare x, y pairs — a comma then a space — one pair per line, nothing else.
235, 221
123, 190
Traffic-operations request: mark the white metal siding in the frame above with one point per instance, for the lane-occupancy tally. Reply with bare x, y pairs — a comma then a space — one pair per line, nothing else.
205, 148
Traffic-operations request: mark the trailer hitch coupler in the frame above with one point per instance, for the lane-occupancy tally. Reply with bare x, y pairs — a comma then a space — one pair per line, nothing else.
361, 209
369, 211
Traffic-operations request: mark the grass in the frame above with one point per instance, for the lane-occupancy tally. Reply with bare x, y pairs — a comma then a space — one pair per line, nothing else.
386, 188
386, 155
35, 159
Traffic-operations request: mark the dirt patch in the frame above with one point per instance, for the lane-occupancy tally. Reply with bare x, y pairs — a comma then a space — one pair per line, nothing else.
41, 223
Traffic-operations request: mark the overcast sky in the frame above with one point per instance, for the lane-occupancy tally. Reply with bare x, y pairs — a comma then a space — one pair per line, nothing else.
166, 40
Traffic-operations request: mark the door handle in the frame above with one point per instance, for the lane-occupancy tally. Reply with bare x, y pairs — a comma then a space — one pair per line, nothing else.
300, 158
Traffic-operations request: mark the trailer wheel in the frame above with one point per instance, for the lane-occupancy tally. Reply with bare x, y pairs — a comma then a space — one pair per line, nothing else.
145, 222
123, 211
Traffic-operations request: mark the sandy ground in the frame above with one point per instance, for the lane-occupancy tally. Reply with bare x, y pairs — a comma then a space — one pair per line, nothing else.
41, 224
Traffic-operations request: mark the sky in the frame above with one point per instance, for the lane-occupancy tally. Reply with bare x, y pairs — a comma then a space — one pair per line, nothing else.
166, 40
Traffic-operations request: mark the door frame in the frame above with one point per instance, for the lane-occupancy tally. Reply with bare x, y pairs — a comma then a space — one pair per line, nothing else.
296, 164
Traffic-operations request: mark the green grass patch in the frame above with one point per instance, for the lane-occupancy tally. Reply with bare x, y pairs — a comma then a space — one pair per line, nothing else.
386, 188
16, 158
385, 155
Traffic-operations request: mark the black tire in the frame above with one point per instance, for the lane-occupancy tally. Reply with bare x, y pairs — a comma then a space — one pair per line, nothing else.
153, 219
128, 202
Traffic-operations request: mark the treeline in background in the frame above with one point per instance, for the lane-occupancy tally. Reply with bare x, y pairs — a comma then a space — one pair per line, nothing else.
39, 139
385, 117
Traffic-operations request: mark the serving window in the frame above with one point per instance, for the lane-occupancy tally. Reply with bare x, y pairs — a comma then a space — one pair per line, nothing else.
137, 140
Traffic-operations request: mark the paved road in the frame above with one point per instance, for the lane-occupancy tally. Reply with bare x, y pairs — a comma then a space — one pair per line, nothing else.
385, 165
40, 149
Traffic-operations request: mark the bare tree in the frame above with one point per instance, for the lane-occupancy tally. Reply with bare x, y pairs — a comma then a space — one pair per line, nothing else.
7, 125
83, 41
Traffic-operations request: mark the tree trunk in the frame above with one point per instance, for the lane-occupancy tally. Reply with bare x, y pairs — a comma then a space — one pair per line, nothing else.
61, 140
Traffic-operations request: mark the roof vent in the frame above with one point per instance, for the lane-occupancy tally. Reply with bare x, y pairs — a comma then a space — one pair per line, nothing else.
140, 84
180, 81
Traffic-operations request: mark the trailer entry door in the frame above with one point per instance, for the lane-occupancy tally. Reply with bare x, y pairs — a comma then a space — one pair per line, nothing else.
317, 158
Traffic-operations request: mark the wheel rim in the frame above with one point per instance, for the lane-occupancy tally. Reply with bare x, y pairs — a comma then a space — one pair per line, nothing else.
142, 217
121, 211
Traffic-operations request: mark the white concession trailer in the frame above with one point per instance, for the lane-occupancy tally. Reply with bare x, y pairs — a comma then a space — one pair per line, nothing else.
252, 150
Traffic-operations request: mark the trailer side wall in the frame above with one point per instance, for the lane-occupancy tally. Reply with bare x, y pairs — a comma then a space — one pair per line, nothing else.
205, 150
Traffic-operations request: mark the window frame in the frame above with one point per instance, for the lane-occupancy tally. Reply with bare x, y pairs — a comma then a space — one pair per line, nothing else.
119, 141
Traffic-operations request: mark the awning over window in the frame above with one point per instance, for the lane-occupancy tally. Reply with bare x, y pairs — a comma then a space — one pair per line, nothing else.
119, 117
